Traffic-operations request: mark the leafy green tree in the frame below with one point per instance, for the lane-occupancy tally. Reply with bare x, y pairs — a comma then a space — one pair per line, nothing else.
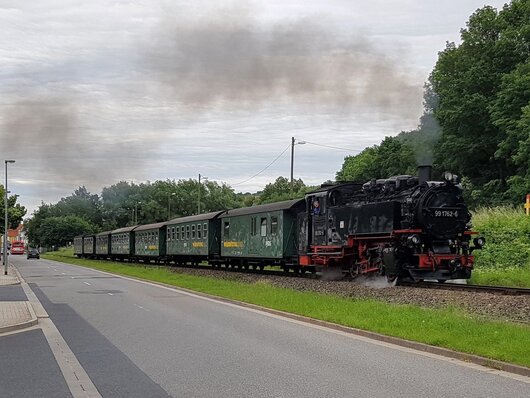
15, 211
59, 231
392, 157
281, 190
482, 87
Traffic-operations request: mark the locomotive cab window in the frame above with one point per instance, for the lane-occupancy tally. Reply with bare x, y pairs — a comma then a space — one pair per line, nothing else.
263, 227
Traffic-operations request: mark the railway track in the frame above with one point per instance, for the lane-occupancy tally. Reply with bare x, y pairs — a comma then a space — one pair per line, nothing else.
504, 290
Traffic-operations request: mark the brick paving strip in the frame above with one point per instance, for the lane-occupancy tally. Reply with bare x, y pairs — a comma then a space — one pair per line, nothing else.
16, 315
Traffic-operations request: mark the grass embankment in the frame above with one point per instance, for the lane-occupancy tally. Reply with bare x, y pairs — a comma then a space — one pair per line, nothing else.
450, 328
505, 260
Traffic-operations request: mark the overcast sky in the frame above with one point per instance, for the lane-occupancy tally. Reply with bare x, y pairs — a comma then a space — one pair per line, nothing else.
94, 92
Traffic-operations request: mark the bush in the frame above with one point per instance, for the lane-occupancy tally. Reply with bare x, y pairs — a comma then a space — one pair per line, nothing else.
507, 233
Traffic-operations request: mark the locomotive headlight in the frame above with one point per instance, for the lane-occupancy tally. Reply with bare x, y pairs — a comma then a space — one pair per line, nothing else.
415, 239
448, 176
479, 242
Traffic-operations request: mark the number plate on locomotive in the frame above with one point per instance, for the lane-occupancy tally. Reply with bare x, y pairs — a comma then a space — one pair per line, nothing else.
445, 213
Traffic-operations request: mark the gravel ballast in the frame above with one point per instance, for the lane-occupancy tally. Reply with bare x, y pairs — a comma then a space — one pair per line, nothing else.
489, 305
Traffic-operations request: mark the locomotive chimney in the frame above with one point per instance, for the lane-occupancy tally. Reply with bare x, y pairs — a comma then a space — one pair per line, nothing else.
424, 173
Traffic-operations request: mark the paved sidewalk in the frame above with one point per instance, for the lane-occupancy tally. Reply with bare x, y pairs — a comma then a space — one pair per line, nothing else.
14, 315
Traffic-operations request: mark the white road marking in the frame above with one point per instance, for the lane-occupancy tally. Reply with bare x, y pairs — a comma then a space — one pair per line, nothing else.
75, 376
86, 283
110, 294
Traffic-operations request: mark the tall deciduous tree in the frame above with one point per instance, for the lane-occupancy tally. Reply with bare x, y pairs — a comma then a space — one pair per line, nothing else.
15, 211
483, 94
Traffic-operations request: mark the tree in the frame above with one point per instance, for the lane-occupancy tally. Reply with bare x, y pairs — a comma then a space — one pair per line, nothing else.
59, 231
392, 157
482, 89
281, 190
15, 211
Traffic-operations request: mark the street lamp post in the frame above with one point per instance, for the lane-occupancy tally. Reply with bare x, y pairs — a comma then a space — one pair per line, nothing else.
136, 212
4, 257
169, 204
293, 143
199, 195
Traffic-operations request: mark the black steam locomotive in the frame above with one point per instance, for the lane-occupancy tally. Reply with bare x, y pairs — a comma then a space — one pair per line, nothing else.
402, 227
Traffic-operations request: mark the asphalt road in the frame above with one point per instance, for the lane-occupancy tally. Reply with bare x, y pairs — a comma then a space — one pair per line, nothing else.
140, 340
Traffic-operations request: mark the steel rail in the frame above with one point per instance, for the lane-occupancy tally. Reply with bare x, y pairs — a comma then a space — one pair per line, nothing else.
504, 290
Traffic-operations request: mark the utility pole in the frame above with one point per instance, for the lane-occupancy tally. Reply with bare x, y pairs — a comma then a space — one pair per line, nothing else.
136, 212
169, 195
293, 143
199, 196
292, 166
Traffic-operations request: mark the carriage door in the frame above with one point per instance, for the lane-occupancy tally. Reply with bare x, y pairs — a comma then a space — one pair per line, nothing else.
319, 221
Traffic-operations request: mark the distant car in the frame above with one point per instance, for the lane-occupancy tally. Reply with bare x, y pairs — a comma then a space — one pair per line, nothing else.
33, 253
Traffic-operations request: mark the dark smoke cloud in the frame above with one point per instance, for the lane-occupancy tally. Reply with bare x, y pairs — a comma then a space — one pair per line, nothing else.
231, 57
52, 136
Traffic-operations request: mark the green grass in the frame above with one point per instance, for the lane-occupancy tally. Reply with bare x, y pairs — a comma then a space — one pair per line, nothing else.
450, 328
505, 260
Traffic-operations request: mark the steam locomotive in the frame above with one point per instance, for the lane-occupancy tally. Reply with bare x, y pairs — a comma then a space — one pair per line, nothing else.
401, 227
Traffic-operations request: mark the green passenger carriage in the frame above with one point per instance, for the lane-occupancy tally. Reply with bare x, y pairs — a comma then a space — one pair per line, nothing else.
89, 245
122, 243
261, 235
193, 239
78, 246
150, 242
103, 244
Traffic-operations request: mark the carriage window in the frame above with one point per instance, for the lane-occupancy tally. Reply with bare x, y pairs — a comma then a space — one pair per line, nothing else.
177, 233
193, 232
199, 232
168, 234
274, 225
187, 231
226, 229
263, 229
253, 226
205, 230
173, 235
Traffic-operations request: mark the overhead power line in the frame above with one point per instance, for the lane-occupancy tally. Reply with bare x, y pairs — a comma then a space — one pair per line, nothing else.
333, 147
265, 168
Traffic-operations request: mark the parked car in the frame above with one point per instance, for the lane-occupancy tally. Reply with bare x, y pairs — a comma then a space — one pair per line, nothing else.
33, 253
